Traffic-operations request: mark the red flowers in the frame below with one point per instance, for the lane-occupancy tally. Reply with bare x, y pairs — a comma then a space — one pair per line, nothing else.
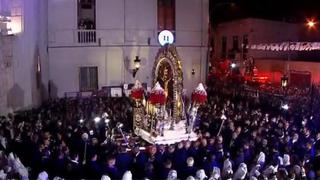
157, 97
198, 97
137, 94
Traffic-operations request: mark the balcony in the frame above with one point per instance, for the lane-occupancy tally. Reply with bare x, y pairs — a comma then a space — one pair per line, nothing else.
86, 36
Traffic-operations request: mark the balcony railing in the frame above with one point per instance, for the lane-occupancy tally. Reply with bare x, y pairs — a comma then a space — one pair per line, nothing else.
86, 36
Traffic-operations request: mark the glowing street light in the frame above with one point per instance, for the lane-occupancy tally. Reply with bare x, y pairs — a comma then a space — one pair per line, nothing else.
284, 81
311, 23
233, 65
137, 64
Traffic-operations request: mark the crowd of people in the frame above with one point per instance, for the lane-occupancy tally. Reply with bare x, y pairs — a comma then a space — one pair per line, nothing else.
256, 140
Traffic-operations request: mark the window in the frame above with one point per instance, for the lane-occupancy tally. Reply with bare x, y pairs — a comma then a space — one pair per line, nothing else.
235, 44
245, 43
224, 47
86, 14
88, 78
86, 21
166, 15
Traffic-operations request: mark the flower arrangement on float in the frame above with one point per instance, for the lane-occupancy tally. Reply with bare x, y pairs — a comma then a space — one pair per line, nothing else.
157, 95
137, 91
157, 100
199, 95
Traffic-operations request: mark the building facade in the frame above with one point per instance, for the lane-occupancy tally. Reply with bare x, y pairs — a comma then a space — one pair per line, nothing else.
97, 41
52, 47
232, 38
23, 54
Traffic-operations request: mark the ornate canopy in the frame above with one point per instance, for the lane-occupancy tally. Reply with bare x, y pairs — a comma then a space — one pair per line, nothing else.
167, 70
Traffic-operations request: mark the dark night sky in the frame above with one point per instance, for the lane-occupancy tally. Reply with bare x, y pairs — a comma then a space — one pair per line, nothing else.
284, 10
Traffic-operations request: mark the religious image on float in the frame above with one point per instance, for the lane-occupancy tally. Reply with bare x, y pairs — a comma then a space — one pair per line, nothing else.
165, 80
162, 117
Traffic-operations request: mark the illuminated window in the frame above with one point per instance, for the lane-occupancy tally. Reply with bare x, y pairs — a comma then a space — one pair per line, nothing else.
166, 15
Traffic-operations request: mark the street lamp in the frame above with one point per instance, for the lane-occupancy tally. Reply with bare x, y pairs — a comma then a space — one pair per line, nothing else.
137, 64
193, 72
284, 81
311, 23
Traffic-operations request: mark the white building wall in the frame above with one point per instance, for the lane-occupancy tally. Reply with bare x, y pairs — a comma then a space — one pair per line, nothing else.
140, 22
110, 30
62, 21
6, 72
18, 86
125, 28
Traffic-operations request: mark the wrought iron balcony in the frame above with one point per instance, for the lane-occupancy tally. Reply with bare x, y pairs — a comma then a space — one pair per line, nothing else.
85, 36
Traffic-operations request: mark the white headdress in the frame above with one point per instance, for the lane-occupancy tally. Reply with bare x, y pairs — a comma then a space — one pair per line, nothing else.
270, 170
297, 169
3, 175
241, 172
262, 158
190, 178
43, 176
58, 178
280, 160
227, 167
286, 160
255, 171
172, 175
105, 177
215, 173
200, 175
127, 175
